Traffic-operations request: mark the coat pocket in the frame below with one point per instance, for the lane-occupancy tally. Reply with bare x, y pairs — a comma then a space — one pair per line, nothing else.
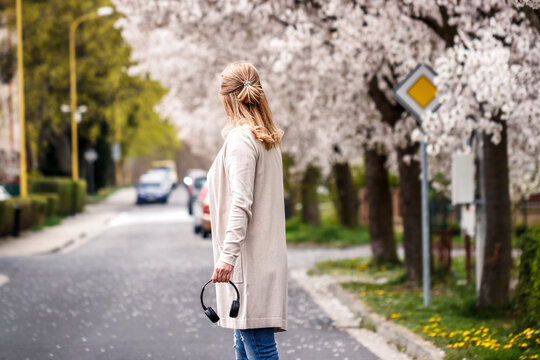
237, 276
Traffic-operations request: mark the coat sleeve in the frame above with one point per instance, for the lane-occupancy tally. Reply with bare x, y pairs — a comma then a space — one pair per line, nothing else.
240, 166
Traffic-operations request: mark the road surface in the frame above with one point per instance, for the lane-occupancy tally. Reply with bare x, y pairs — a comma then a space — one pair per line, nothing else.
132, 293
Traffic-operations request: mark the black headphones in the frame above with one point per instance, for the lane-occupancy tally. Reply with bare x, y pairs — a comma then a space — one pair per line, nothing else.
235, 306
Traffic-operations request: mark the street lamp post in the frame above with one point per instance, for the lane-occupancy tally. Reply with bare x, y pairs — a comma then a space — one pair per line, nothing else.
23, 185
102, 11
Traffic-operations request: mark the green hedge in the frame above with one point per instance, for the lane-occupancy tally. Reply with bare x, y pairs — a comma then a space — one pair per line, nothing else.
71, 194
79, 196
27, 212
39, 209
52, 204
6, 217
528, 290
49, 196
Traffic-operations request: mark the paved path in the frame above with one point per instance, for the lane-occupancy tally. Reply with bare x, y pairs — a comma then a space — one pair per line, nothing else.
73, 231
132, 293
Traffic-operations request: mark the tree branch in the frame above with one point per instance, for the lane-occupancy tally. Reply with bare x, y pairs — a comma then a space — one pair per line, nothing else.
445, 31
533, 15
390, 112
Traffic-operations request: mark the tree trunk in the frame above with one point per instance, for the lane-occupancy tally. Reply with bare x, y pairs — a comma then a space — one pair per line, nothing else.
410, 187
310, 200
383, 243
346, 194
62, 149
494, 287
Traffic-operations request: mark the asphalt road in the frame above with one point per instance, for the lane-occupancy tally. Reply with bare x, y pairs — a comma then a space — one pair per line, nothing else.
133, 293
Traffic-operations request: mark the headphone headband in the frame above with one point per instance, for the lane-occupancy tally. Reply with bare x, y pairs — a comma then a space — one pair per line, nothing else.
209, 281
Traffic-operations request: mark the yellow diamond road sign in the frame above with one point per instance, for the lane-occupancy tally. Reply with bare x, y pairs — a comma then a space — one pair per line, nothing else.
422, 91
416, 92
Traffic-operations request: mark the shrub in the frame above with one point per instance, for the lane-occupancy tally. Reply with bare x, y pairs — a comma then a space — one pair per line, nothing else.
26, 215
52, 204
6, 217
79, 196
528, 290
61, 186
39, 209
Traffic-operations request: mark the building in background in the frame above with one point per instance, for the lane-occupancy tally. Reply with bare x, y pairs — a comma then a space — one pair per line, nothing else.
9, 115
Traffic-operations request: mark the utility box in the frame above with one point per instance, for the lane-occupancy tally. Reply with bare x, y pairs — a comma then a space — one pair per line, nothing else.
462, 179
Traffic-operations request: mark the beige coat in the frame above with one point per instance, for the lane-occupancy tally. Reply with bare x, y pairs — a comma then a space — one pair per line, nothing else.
245, 187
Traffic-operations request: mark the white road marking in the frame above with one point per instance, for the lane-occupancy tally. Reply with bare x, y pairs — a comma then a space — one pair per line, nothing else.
160, 216
3, 280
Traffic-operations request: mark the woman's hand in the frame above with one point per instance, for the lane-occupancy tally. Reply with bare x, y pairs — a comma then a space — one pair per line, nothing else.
222, 272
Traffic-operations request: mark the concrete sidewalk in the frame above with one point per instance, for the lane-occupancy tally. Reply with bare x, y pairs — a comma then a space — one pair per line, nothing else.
73, 231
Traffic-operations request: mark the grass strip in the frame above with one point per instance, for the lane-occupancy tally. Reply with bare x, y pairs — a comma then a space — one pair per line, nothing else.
452, 321
102, 194
329, 234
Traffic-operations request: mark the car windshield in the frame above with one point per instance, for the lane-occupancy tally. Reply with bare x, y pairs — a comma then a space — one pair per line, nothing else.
199, 182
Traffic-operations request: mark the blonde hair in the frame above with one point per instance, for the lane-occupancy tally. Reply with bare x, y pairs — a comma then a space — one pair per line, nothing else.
244, 102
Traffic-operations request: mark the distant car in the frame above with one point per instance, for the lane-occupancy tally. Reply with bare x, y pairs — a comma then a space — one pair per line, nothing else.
194, 181
192, 174
4, 195
198, 210
201, 213
170, 167
153, 187
160, 172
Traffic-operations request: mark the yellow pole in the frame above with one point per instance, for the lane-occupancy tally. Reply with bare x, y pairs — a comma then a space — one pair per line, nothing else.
73, 92
73, 98
20, 70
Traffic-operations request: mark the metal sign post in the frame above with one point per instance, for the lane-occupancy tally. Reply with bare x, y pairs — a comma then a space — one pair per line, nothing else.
417, 94
91, 156
426, 276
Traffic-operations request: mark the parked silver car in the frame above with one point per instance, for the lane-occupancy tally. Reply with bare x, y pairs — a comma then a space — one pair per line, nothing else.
4, 195
194, 181
153, 187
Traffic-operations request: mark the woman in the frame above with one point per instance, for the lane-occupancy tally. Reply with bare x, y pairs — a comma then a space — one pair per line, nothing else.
245, 187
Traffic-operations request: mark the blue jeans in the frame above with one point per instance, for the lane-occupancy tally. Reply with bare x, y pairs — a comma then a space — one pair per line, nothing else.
255, 344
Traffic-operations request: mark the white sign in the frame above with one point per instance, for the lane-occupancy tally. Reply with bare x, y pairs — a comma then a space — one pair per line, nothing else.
90, 155
417, 92
462, 179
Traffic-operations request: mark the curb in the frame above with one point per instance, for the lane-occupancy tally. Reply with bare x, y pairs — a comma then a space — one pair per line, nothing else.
413, 344
73, 232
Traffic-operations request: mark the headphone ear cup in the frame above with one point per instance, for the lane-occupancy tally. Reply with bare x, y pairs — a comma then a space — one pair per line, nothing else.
211, 315
235, 307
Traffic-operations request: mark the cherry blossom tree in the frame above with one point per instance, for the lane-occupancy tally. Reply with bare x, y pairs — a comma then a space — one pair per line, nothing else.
329, 68
486, 77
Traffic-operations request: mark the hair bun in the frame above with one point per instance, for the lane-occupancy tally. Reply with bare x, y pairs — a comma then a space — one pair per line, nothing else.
251, 93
